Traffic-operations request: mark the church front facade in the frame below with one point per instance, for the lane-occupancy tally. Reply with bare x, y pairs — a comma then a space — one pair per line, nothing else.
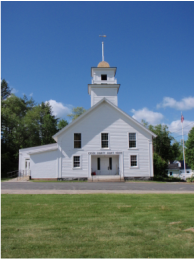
104, 141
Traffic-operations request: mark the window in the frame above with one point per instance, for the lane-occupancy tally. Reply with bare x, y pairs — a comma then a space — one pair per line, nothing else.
77, 140
98, 164
104, 140
133, 162
110, 163
171, 173
103, 77
76, 161
188, 172
132, 140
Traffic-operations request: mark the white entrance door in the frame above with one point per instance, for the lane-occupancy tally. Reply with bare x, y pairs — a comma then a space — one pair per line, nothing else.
104, 166
27, 167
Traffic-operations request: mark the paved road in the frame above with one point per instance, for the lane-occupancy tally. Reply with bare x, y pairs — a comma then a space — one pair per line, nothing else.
100, 187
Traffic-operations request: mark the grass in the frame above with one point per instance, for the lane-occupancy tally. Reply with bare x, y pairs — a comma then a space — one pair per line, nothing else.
97, 226
6, 179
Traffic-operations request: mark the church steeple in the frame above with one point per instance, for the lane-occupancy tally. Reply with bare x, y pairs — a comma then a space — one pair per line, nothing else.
104, 84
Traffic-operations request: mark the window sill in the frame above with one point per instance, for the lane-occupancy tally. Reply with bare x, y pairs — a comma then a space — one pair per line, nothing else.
79, 149
134, 167
105, 149
77, 168
133, 148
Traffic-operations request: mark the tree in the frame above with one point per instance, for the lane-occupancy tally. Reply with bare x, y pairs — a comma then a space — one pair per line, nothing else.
24, 124
5, 90
164, 144
160, 166
76, 112
61, 124
190, 149
165, 148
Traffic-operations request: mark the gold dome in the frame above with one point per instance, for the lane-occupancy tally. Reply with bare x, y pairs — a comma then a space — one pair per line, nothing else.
103, 64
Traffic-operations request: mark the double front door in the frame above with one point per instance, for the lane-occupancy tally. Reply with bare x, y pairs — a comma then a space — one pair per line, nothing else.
107, 165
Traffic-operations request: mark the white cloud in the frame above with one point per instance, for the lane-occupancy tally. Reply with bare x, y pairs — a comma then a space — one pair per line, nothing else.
31, 94
184, 104
176, 127
58, 109
149, 116
14, 91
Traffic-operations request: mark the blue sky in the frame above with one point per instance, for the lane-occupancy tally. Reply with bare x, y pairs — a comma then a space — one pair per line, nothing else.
48, 49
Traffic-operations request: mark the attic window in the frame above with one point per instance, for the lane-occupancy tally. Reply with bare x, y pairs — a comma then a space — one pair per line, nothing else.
103, 77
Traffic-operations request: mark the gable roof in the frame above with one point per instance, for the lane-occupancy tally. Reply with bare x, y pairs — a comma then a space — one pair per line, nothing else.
93, 108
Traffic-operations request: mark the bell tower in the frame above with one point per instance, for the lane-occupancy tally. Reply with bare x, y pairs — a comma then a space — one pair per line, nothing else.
104, 84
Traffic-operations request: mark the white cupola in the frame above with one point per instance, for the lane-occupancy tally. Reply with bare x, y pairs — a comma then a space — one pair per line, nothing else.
104, 84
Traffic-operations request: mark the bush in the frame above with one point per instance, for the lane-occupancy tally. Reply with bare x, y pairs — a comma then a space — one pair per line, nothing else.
160, 166
190, 179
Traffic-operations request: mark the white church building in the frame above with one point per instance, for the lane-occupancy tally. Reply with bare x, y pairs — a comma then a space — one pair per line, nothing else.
102, 142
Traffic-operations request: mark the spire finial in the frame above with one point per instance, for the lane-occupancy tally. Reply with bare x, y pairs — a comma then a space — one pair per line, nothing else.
102, 47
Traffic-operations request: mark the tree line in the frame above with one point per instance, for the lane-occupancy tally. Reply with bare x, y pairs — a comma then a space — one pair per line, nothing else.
26, 124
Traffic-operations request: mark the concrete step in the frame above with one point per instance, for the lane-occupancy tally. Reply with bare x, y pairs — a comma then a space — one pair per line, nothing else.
105, 178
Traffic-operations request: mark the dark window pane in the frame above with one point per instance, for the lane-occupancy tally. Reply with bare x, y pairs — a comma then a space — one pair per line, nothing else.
132, 136
110, 163
77, 140
104, 144
77, 137
132, 144
98, 164
77, 144
103, 77
104, 137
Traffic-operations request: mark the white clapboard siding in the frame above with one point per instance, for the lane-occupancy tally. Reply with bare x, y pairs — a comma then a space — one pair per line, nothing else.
44, 165
25, 153
106, 119
98, 93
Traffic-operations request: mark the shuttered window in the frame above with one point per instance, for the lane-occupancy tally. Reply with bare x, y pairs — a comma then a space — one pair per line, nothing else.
132, 140
77, 140
104, 140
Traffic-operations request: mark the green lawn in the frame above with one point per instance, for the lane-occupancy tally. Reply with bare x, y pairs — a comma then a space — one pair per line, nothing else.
4, 179
97, 226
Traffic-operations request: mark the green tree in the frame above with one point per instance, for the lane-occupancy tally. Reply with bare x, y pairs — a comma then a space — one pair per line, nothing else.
189, 153
160, 165
24, 124
5, 90
76, 112
165, 148
13, 110
164, 144
61, 124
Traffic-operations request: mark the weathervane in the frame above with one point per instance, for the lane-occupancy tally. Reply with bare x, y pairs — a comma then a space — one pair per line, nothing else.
102, 47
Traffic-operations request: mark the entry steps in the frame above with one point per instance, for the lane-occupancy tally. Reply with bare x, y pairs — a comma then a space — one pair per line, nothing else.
106, 178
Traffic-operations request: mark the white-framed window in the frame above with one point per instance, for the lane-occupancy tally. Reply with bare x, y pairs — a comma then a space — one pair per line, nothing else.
132, 140
134, 161
104, 140
77, 140
76, 161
